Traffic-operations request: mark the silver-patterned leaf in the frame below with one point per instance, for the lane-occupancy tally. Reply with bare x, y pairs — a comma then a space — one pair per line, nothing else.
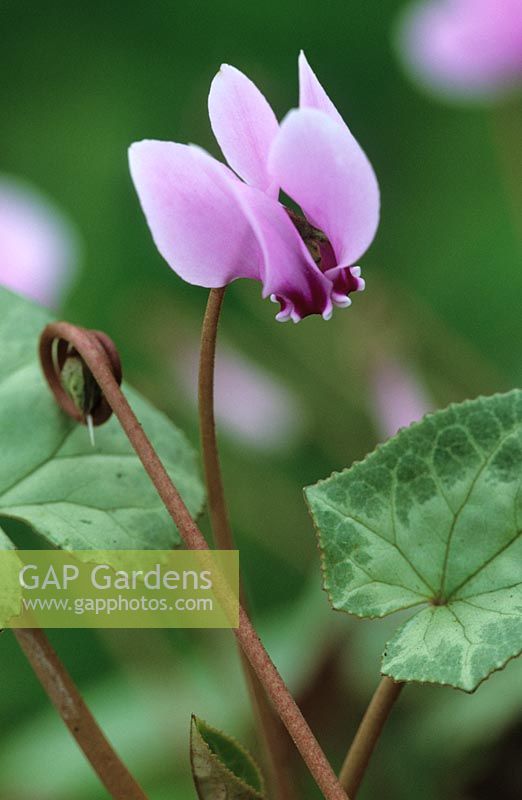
433, 520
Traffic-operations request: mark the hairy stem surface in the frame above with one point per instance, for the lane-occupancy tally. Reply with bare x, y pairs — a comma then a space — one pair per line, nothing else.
69, 703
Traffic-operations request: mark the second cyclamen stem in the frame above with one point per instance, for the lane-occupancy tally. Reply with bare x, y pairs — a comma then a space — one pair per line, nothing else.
97, 359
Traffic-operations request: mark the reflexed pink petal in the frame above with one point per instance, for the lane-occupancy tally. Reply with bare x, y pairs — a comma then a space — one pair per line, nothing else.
193, 214
250, 404
398, 398
244, 125
289, 274
312, 94
322, 167
211, 228
38, 247
464, 47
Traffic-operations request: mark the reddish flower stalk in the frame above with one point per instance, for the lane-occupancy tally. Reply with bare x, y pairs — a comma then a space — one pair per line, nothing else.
95, 356
69, 703
268, 726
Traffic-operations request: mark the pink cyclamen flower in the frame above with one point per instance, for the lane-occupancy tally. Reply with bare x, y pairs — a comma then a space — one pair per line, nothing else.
397, 397
38, 248
465, 48
212, 227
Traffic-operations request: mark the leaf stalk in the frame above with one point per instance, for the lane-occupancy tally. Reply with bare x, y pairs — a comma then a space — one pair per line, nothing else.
367, 736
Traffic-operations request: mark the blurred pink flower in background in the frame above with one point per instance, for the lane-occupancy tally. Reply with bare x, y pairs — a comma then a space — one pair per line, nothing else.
463, 48
38, 247
251, 405
397, 397
212, 228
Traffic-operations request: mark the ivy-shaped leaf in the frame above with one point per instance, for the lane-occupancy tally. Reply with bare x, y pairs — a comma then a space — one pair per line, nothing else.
74, 495
433, 518
221, 767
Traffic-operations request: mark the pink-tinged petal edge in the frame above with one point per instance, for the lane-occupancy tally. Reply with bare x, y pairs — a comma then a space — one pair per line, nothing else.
244, 126
312, 94
320, 165
195, 220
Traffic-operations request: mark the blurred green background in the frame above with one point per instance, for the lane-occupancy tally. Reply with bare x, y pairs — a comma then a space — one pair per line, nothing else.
80, 82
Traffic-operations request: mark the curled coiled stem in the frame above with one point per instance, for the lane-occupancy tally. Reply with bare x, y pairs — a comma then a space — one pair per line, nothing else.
59, 342
97, 360
56, 345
